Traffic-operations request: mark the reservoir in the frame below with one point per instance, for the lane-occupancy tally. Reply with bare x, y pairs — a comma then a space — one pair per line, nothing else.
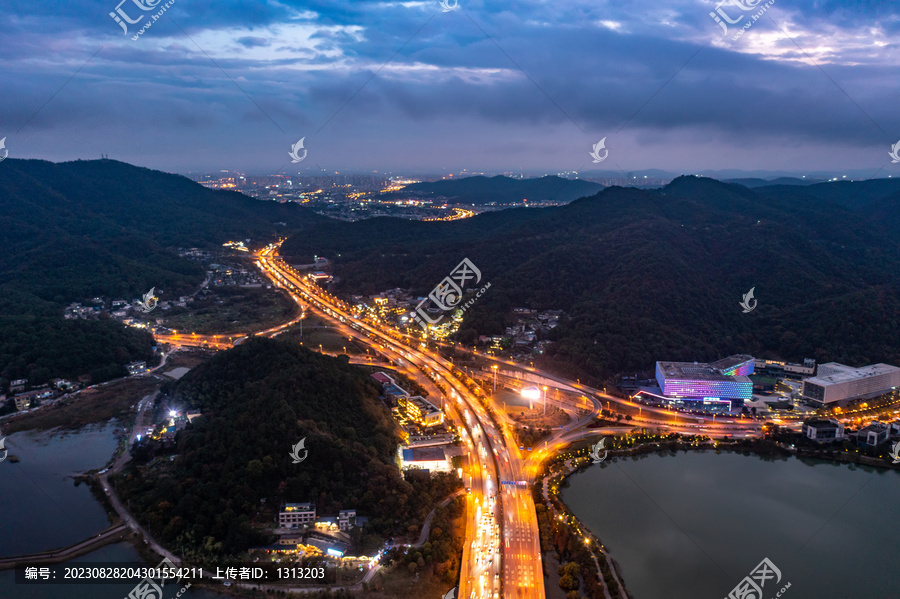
41, 508
693, 525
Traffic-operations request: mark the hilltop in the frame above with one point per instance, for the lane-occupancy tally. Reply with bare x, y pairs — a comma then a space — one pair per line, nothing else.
81, 229
645, 275
258, 400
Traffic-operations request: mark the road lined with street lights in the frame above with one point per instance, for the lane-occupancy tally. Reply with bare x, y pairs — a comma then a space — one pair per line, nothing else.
512, 518
505, 532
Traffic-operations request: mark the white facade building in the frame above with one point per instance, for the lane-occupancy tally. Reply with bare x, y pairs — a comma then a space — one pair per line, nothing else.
837, 383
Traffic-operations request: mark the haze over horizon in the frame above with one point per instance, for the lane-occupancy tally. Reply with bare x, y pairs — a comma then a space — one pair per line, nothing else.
406, 87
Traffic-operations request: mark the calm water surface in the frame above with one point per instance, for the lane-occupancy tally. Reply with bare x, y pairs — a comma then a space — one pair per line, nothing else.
693, 525
41, 508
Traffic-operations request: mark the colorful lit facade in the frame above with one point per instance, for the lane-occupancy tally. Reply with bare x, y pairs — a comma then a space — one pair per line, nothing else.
724, 381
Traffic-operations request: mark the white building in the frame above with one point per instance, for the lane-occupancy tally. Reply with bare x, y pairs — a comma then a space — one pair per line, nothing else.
822, 430
839, 383
432, 459
346, 519
294, 515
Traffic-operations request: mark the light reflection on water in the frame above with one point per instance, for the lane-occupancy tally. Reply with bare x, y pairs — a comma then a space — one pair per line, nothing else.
694, 524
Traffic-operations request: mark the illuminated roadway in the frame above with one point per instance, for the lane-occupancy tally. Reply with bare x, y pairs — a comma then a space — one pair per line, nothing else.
495, 458
511, 523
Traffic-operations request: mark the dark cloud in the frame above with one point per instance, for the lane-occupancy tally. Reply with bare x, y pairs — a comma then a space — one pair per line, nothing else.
490, 86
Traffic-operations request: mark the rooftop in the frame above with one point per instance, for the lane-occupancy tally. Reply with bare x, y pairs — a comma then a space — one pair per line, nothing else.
423, 454
833, 373
696, 371
731, 361
821, 422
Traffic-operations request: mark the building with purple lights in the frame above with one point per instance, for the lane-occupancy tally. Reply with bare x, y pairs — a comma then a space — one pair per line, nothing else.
719, 383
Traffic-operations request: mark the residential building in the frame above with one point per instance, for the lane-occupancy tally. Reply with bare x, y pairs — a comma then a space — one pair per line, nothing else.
136, 367
419, 410
822, 430
23, 403
294, 515
837, 384
346, 519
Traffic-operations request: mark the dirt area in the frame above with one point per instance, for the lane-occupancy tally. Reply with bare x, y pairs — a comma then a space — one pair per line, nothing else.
187, 358
230, 310
86, 407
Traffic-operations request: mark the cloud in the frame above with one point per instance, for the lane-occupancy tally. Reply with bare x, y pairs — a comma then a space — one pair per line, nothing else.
805, 83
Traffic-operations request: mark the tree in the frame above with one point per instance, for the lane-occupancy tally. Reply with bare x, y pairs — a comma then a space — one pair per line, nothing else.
413, 566
568, 583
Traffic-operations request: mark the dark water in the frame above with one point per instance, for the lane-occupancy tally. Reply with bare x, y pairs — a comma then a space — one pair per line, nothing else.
694, 525
121, 552
41, 508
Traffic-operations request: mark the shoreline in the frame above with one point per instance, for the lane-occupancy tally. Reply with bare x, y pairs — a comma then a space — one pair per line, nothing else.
554, 476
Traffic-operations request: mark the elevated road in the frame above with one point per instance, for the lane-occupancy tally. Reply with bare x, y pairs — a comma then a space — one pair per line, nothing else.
501, 552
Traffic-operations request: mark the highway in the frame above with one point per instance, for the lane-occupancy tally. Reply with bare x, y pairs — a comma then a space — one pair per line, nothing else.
501, 552
502, 548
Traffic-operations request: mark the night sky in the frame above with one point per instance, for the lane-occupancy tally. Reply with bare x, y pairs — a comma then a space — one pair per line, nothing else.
488, 86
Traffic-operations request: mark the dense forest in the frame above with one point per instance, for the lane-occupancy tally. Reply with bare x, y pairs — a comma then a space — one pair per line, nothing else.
258, 400
658, 275
76, 230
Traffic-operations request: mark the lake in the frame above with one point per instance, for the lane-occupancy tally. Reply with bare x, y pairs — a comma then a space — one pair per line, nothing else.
693, 525
41, 508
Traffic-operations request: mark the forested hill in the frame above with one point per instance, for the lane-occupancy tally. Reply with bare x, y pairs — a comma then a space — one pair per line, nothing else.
80, 229
653, 275
503, 190
258, 400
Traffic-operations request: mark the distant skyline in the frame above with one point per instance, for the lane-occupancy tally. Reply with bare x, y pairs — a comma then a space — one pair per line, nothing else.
809, 87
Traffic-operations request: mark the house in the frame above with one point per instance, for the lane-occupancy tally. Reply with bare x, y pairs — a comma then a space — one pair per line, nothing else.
62, 384
136, 367
297, 514
23, 403
822, 430
327, 523
873, 435
346, 519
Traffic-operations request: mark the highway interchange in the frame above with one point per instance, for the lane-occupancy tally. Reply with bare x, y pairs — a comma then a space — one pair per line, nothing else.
501, 554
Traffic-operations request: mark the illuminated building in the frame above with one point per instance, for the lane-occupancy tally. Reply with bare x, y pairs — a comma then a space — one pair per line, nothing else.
296, 514
836, 383
432, 459
717, 383
420, 411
